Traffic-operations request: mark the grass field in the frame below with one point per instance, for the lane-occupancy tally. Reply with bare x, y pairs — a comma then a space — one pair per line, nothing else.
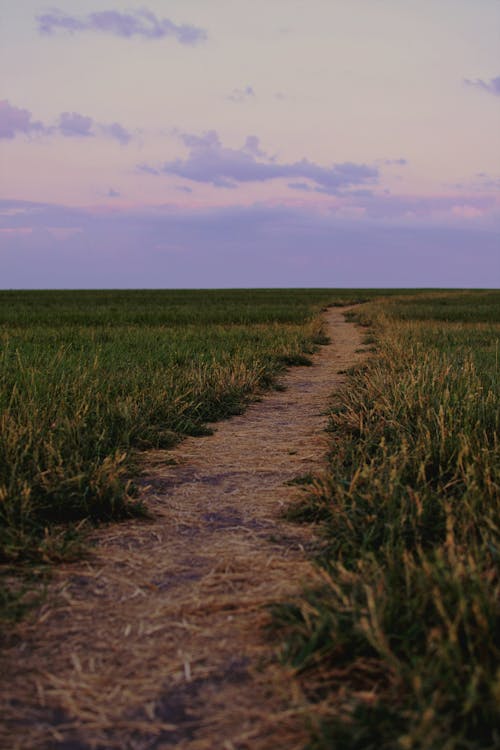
399, 647
89, 378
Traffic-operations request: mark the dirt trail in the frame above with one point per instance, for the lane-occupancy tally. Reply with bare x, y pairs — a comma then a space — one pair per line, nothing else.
157, 641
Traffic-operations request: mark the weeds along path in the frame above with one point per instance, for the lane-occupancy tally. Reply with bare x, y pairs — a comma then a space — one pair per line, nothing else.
158, 641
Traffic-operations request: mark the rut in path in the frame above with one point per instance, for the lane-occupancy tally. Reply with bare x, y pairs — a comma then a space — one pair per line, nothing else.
157, 641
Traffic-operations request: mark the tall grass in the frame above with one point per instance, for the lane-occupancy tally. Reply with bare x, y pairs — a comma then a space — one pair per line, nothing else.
88, 378
400, 646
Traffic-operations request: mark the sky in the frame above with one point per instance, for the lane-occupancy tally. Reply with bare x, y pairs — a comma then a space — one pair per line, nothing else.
250, 143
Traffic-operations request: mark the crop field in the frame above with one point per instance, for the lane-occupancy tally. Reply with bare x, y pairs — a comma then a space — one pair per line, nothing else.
400, 645
89, 378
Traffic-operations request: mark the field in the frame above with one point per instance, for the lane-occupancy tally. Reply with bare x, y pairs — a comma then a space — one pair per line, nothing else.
400, 646
87, 379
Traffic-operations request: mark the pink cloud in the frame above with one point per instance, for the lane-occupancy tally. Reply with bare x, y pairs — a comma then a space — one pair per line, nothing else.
467, 212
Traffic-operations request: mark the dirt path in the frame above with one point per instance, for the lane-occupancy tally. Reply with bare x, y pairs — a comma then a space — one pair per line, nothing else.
157, 641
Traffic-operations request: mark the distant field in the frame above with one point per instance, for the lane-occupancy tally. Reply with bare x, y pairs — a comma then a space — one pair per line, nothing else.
89, 378
400, 647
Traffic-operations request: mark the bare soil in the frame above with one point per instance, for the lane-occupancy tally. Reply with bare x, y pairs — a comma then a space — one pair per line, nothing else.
158, 640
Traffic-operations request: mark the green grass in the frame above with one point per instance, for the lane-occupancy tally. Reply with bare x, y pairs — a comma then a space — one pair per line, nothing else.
89, 378
400, 645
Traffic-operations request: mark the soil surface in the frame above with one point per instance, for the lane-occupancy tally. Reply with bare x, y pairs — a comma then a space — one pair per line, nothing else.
158, 640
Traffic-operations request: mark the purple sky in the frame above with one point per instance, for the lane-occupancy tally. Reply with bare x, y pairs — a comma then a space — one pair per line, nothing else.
219, 144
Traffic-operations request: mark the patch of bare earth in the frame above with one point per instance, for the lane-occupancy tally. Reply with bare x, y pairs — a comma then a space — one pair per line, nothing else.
158, 641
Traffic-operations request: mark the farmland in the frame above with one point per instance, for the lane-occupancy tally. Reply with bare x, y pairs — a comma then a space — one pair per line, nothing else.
399, 647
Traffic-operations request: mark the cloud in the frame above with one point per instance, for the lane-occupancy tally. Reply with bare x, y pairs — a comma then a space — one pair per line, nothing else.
486, 182
117, 132
142, 23
209, 161
482, 182
241, 95
251, 146
63, 233
73, 124
14, 120
148, 169
55, 246
410, 210
465, 211
492, 86
304, 186
15, 231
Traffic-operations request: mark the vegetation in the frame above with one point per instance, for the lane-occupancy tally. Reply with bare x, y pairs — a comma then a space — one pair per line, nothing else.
87, 378
399, 647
